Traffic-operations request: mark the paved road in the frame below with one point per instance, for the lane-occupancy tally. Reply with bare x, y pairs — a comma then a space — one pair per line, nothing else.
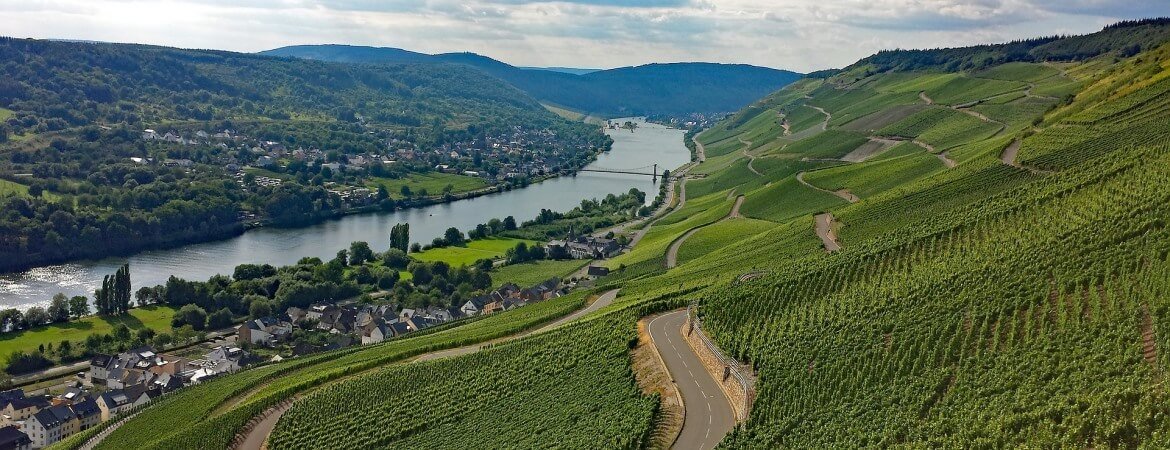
709, 416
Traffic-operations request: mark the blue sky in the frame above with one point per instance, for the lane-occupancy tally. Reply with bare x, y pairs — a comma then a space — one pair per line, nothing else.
801, 35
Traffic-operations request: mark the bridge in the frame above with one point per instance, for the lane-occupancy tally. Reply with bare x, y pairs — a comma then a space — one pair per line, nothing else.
652, 173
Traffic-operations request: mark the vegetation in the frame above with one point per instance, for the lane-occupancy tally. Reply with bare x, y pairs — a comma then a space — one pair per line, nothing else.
323, 133
679, 88
989, 304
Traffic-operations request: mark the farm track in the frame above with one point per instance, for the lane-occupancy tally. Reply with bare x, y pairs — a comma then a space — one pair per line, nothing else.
700, 151
256, 437
922, 95
672, 252
828, 117
1149, 338
824, 229
844, 194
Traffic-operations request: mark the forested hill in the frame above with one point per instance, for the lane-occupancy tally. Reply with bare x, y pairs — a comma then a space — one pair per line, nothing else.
654, 88
1126, 38
55, 85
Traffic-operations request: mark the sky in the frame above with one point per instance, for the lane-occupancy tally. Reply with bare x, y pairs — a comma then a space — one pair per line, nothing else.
800, 35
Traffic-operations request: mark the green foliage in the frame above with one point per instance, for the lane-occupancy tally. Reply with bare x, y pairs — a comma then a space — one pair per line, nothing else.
873, 177
787, 199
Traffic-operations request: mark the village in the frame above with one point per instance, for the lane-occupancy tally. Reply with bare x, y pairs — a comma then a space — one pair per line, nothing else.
117, 384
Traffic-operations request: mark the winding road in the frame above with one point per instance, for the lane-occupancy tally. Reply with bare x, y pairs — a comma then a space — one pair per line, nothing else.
709, 415
828, 117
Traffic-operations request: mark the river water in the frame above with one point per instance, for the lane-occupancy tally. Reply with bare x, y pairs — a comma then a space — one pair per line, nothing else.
648, 145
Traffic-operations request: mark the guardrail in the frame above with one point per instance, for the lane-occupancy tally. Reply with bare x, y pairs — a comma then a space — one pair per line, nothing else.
732, 369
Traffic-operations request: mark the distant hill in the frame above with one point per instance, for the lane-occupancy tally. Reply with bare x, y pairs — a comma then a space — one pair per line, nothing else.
654, 88
568, 70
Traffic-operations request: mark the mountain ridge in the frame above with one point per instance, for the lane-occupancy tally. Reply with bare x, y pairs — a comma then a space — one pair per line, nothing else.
666, 88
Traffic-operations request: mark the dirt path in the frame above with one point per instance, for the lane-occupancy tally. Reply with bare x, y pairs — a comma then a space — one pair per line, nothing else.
843, 193
922, 95
256, 437
700, 152
873, 147
672, 252
97, 438
751, 159
946, 159
824, 228
784, 123
1009, 154
1149, 339
828, 117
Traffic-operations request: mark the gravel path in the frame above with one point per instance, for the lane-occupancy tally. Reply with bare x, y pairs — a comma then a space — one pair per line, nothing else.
825, 231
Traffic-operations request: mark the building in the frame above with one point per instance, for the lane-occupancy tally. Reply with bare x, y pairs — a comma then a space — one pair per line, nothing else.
584, 248
11, 438
265, 331
16, 407
50, 425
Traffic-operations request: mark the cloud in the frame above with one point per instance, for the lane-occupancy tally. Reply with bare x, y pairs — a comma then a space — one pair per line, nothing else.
793, 34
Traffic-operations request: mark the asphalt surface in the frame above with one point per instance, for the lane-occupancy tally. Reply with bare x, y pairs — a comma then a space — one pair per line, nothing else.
709, 416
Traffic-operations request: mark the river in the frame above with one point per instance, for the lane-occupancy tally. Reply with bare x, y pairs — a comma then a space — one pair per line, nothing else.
648, 145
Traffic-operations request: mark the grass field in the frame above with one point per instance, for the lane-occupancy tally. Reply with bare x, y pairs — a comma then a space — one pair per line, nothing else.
490, 248
528, 274
564, 112
17, 189
432, 182
157, 318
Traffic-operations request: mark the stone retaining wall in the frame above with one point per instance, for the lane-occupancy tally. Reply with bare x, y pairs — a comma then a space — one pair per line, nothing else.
734, 378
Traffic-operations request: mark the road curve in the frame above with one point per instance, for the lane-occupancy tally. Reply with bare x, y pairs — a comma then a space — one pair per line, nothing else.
709, 416
672, 252
258, 435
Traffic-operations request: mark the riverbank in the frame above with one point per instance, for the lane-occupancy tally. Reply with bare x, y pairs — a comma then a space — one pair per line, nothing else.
278, 245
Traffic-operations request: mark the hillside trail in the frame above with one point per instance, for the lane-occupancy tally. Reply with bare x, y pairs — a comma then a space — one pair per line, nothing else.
256, 436
928, 100
844, 194
700, 151
1010, 153
751, 158
672, 252
824, 229
942, 156
1149, 339
784, 123
828, 117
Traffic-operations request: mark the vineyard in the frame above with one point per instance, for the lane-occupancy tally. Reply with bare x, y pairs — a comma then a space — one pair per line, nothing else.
537, 392
186, 420
972, 304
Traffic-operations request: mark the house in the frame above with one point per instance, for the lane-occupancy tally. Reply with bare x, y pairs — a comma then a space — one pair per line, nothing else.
99, 368
492, 307
11, 438
417, 323
116, 401
475, 305
374, 333
220, 360
16, 407
584, 248
266, 331
397, 329
88, 413
597, 271
50, 425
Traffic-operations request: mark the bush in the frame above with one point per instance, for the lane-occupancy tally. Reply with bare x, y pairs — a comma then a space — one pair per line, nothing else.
191, 315
20, 362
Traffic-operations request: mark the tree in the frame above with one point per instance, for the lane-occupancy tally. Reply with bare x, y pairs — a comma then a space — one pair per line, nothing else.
360, 253
342, 257
259, 308
220, 319
36, 316
121, 333
400, 237
509, 223
405, 191
191, 315
395, 259
59, 308
421, 273
454, 237
415, 247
